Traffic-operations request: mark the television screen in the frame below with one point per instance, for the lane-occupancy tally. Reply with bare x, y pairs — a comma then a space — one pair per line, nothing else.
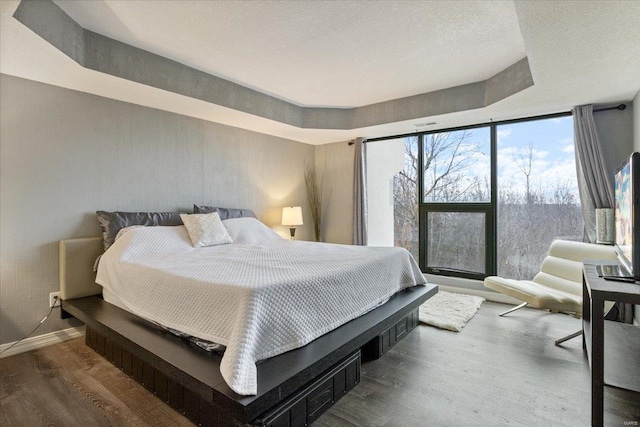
627, 184
623, 210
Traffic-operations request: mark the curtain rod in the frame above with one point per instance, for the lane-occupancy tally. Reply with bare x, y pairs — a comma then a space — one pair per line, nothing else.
620, 107
617, 107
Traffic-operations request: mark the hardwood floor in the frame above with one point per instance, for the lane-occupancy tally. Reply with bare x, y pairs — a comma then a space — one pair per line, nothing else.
497, 371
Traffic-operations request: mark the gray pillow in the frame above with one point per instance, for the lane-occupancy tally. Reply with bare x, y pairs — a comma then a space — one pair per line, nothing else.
225, 213
112, 222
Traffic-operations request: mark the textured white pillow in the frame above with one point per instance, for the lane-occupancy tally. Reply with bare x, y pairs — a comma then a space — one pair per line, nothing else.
249, 231
206, 229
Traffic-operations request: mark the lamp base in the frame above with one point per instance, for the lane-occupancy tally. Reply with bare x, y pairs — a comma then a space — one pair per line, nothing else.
605, 226
292, 230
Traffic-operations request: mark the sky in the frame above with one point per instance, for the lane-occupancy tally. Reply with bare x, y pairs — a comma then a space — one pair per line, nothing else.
553, 161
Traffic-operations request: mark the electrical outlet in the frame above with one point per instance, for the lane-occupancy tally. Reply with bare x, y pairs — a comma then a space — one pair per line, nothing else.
54, 299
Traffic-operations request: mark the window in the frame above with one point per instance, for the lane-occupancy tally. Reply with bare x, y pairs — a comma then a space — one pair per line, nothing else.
405, 199
456, 166
479, 200
456, 241
456, 211
538, 197
392, 207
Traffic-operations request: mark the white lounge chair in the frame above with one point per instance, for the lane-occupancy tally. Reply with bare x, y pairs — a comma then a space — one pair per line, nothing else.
558, 285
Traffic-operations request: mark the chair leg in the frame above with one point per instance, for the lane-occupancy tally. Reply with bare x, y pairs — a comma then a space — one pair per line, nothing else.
568, 337
513, 309
611, 315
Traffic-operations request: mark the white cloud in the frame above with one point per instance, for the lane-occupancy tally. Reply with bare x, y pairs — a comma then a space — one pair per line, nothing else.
547, 171
504, 133
567, 145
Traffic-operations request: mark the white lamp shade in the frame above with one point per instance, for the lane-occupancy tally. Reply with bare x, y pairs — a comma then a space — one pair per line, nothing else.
292, 215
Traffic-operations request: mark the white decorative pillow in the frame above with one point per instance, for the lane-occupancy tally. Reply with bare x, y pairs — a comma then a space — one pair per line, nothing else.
206, 229
249, 231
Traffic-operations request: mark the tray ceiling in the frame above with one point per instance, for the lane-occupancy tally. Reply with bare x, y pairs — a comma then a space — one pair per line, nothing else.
363, 63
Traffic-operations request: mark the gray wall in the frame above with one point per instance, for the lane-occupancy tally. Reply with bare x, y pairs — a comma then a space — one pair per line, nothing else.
615, 129
65, 154
334, 162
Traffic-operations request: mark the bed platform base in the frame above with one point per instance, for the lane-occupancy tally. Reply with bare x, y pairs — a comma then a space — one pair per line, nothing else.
294, 388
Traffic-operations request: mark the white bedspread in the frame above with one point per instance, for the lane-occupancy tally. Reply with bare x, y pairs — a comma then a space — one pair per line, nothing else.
260, 300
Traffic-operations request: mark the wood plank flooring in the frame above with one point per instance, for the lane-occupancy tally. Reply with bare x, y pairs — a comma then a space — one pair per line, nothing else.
497, 371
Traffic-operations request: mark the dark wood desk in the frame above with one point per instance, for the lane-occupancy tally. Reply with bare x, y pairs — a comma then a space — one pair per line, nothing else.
621, 366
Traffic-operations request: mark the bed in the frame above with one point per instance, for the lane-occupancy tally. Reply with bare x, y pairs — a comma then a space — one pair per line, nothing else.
288, 380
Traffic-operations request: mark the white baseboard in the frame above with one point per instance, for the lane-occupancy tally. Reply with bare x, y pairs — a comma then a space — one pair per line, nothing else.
488, 295
40, 341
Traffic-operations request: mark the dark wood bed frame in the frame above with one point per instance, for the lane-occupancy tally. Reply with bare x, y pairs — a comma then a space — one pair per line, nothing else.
294, 388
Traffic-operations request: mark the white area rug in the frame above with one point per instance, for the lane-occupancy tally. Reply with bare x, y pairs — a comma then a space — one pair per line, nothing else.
447, 310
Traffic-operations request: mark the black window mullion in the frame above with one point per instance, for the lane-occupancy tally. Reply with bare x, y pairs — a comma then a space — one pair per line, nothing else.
492, 225
422, 230
420, 169
490, 243
458, 207
423, 237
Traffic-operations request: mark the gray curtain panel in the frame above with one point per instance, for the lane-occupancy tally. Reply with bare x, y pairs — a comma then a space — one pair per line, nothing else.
360, 235
595, 183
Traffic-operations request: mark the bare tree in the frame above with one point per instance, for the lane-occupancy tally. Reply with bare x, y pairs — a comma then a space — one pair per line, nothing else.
525, 163
405, 191
445, 157
527, 220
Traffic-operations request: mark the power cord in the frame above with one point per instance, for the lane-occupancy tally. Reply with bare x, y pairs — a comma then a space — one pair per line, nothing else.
34, 329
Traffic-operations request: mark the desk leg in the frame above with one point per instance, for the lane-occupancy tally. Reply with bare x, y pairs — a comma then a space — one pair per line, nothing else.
597, 362
586, 312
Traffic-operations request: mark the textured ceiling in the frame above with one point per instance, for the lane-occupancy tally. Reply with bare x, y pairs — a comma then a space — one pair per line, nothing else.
320, 53
352, 53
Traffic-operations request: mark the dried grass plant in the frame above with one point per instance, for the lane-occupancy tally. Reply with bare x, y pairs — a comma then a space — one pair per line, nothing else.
314, 192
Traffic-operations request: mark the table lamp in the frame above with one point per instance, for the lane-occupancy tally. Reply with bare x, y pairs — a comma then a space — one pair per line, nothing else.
605, 226
292, 216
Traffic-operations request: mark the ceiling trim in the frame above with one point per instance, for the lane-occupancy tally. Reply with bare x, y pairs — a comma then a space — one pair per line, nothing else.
96, 52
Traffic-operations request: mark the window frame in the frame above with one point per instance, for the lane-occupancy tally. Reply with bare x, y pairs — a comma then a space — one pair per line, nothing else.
490, 209
481, 208
486, 208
